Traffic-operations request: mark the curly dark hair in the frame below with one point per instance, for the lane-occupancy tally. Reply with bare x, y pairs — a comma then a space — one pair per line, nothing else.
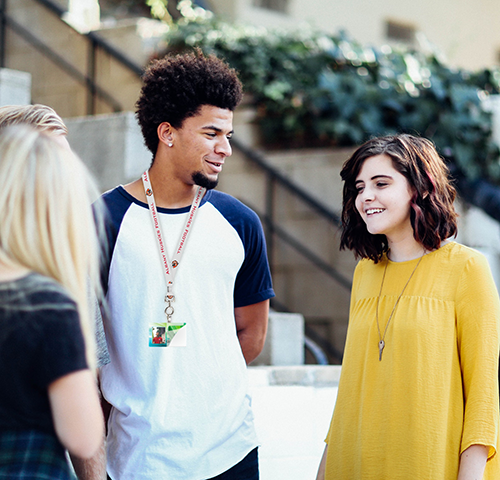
432, 213
176, 87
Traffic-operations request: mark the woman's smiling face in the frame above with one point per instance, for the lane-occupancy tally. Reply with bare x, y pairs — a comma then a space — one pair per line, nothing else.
384, 198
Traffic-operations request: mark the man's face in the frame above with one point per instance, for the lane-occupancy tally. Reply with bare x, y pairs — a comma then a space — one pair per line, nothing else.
202, 144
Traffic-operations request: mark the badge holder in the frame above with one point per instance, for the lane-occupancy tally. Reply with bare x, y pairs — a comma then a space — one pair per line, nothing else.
168, 334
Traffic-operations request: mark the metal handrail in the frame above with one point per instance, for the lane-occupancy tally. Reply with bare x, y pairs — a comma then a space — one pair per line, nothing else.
61, 62
316, 351
259, 160
313, 342
267, 217
273, 175
304, 251
95, 41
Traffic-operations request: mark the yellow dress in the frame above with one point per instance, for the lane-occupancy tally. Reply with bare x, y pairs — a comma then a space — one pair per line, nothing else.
435, 392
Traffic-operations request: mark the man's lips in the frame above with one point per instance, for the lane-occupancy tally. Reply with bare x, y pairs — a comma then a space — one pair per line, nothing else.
214, 165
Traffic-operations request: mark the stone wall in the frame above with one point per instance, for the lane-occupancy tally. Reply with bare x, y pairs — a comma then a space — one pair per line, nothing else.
111, 145
52, 85
298, 283
15, 87
119, 156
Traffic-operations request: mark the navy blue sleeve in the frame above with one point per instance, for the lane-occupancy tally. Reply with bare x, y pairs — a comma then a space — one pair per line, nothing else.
117, 203
253, 282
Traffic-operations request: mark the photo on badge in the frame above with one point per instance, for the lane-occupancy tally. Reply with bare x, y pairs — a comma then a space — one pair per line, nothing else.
157, 335
167, 335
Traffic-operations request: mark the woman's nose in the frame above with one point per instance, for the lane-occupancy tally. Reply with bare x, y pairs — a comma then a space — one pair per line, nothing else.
366, 195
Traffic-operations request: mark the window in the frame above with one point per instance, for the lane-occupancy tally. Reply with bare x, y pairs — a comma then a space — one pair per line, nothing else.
276, 5
400, 32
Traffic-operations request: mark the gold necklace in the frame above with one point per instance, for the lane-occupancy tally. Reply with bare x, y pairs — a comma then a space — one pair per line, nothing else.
381, 343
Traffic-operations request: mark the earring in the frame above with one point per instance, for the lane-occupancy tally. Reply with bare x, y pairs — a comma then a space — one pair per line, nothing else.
170, 144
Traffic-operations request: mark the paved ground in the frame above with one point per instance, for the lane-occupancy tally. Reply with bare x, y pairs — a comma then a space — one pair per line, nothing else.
293, 407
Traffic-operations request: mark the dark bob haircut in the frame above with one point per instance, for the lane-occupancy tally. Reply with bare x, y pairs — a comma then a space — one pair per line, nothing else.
176, 87
432, 213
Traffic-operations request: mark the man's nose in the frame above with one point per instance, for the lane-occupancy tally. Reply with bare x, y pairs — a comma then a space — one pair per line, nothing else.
223, 147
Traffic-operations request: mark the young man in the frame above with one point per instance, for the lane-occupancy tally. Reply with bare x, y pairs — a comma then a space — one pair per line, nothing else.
180, 410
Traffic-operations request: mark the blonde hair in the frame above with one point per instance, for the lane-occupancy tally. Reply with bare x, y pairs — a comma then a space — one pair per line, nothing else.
39, 116
47, 223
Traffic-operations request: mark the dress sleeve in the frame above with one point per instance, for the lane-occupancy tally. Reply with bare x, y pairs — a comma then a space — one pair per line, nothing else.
478, 325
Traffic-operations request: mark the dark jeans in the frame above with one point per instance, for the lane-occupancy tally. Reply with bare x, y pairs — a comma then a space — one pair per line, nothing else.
247, 469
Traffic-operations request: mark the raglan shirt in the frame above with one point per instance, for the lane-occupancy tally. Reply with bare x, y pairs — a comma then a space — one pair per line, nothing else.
182, 413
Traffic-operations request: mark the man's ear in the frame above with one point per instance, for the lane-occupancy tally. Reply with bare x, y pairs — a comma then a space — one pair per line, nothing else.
165, 134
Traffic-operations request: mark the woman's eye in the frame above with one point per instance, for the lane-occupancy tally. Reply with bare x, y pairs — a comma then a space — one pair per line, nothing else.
381, 184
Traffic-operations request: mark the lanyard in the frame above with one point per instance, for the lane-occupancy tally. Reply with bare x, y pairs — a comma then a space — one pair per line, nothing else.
170, 272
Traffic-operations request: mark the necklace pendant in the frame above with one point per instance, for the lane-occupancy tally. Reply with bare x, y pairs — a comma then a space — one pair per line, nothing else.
381, 346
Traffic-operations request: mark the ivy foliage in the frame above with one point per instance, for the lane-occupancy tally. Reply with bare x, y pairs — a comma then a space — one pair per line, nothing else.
315, 89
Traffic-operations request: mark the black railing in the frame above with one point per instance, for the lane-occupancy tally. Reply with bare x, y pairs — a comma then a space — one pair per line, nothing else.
273, 178
275, 175
317, 345
95, 43
97, 40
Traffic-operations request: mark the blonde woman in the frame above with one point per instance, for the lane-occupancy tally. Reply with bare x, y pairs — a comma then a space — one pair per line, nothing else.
46, 120
43, 117
48, 251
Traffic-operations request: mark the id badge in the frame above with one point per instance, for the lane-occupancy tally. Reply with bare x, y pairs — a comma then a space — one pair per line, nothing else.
167, 335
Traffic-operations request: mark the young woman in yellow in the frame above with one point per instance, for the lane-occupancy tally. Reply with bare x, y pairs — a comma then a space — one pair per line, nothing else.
418, 395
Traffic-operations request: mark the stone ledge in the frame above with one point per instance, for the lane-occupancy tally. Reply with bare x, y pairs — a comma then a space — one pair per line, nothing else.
306, 376
284, 344
15, 87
